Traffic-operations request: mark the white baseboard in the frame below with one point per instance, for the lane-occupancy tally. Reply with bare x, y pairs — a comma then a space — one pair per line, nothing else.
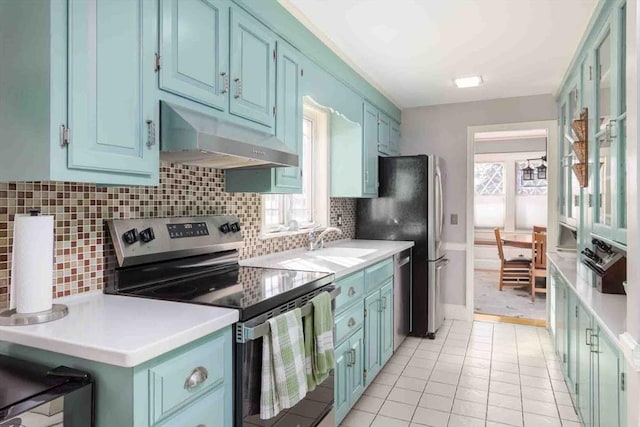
457, 312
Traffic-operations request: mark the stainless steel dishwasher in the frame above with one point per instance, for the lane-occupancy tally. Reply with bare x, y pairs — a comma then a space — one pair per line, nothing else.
401, 297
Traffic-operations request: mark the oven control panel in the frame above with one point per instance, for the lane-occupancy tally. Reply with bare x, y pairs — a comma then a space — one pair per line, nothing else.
187, 229
140, 241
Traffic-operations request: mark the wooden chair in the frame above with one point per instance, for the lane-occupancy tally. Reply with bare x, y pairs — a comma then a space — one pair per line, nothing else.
539, 229
539, 262
514, 271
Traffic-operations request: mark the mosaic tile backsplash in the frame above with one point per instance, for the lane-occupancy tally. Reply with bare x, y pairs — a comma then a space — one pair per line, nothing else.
83, 253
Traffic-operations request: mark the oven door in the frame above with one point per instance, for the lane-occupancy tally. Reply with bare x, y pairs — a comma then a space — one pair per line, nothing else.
316, 409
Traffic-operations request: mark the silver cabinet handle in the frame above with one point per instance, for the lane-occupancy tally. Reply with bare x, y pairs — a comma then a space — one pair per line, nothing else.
238, 87
595, 346
351, 323
352, 353
151, 133
352, 291
588, 333
197, 377
201, 425
384, 303
347, 355
225, 82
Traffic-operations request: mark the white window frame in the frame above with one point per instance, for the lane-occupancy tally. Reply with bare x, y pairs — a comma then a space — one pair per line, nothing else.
319, 179
510, 161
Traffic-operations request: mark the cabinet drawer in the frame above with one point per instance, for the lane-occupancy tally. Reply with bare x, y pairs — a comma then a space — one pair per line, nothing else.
169, 385
352, 290
348, 322
208, 411
378, 274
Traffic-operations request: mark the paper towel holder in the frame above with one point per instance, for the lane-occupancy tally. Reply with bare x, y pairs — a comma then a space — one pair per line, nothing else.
13, 318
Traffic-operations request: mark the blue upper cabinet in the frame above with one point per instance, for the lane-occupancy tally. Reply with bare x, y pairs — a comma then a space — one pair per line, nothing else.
194, 50
78, 92
253, 69
384, 133
394, 139
289, 116
370, 148
111, 97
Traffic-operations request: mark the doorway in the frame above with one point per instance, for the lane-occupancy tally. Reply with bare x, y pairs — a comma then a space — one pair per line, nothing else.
511, 183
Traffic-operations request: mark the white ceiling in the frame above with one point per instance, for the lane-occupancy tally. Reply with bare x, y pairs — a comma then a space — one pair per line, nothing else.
412, 49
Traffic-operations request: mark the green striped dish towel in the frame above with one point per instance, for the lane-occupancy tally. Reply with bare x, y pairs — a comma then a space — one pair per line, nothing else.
283, 374
318, 341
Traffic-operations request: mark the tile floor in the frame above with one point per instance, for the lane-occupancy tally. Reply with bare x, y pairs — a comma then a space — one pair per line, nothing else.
472, 374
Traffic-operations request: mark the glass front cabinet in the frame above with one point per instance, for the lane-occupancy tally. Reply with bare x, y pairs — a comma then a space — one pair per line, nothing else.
609, 129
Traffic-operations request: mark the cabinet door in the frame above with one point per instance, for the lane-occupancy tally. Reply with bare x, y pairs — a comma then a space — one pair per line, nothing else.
253, 70
572, 341
386, 326
561, 320
356, 380
584, 340
609, 398
341, 381
289, 116
605, 112
384, 131
372, 343
111, 86
394, 139
370, 150
194, 47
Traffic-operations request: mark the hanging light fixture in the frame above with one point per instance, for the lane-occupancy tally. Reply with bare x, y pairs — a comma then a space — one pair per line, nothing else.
527, 172
542, 169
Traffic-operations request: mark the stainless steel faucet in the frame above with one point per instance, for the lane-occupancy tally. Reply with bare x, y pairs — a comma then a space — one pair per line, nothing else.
318, 242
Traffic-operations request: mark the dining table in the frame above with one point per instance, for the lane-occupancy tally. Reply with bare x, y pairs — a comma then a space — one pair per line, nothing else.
518, 240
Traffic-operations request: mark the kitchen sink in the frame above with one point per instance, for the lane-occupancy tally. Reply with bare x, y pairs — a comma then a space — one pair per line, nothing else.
341, 252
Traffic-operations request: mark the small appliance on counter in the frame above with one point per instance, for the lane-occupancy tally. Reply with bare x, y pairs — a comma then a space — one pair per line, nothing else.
609, 265
195, 260
33, 395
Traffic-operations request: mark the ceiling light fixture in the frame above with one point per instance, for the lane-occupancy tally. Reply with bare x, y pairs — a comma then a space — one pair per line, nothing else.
464, 82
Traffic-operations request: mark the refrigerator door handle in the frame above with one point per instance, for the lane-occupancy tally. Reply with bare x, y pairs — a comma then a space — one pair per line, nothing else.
440, 202
442, 263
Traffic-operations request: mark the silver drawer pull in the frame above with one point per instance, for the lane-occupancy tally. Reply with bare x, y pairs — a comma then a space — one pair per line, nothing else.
201, 425
197, 377
352, 291
351, 323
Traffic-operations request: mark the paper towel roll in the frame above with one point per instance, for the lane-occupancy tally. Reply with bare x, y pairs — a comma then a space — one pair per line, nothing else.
32, 263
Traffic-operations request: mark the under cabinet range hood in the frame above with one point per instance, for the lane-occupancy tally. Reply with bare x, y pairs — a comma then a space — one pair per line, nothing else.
194, 138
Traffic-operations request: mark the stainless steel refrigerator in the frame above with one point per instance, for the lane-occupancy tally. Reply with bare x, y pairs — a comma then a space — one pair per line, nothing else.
409, 207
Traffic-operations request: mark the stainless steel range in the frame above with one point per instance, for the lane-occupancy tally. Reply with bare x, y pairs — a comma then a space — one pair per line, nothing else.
195, 260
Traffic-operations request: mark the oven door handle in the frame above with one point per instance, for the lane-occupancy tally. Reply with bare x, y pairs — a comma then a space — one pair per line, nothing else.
247, 333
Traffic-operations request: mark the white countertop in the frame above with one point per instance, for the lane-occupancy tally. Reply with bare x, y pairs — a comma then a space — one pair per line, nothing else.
610, 310
341, 258
119, 330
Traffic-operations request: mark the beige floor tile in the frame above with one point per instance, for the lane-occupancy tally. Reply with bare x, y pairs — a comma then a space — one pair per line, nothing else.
401, 411
505, 401
369, 404
411, 383
431, 417
440, 389
357, 418
472, 395
470, 409
382, 421
378, 390
404, 395
505, 416
433, 401
463, 421
535, 420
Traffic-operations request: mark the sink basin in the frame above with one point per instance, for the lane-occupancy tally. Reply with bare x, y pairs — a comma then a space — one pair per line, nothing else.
341, 252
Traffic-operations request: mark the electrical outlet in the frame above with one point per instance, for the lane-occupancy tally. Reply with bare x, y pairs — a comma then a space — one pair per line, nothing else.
454, 219
339, 220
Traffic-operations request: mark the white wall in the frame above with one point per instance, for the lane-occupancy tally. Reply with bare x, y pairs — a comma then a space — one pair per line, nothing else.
442, 130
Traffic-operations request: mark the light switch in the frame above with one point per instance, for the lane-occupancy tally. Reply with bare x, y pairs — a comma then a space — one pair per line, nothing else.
454, 219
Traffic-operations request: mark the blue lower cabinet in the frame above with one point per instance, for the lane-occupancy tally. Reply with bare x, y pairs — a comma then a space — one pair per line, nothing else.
386, 322
189, 386
341, 381
372, 363
349, 374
